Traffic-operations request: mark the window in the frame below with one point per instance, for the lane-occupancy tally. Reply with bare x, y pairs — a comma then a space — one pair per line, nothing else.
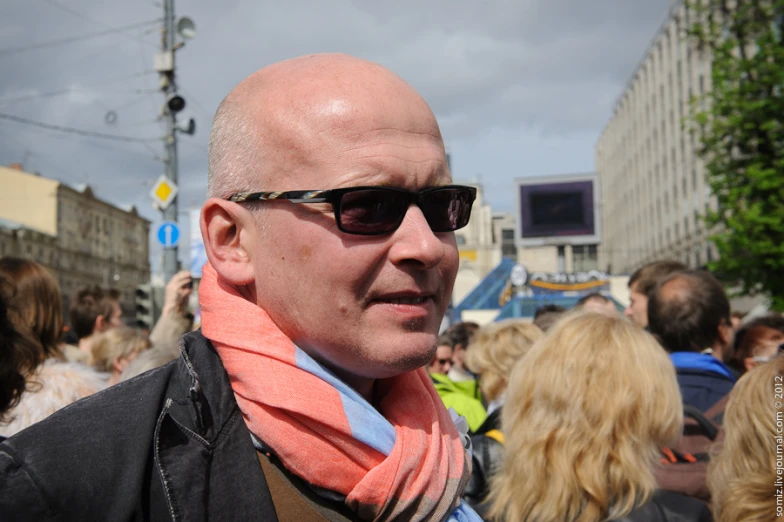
584, 258
509, 250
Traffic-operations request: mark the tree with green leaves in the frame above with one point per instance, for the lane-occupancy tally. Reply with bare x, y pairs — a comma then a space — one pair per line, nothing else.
740, 126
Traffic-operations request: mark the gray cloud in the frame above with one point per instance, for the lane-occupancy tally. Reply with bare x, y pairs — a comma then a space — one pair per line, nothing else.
519, 87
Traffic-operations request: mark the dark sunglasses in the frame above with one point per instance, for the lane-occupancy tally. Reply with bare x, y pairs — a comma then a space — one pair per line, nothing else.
372, 211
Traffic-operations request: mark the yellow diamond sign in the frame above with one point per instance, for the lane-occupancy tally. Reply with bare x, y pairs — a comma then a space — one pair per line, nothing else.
163, 192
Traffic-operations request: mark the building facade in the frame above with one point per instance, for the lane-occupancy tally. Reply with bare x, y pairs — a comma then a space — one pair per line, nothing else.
81, 239
653, 184
557, 225
553, 233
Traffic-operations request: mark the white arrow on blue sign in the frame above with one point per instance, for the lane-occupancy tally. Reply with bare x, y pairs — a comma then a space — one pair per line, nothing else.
168, 234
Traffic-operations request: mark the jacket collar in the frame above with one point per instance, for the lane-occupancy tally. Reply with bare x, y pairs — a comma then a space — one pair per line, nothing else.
198, 404
700, 362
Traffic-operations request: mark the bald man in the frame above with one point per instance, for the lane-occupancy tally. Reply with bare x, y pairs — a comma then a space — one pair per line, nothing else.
329, 233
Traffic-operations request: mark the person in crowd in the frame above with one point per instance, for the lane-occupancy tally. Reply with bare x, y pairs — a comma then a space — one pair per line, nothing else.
586, 411
17, 356
175, 319
329, 233
737, 319
494, 351
462, 397
547, 315
773, 320
690, 315
35, 310
458, 400
114, 349
742, 476
641, 284
94, 310
461, 335
596, 302
442, 360
156, 356
753, 346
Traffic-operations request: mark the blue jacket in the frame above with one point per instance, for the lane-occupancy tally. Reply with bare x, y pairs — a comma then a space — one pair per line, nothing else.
703, 379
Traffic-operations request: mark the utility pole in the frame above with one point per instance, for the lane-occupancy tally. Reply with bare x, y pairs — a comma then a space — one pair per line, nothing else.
165, 65
170, 139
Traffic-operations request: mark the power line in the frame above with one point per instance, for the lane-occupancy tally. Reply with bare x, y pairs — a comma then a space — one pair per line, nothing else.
4, 101
61, 41
89, 19
71, 130
198, 105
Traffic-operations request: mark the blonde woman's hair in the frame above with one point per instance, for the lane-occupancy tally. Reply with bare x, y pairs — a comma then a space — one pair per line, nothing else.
742, 476
117, 343
495, 349
586, 412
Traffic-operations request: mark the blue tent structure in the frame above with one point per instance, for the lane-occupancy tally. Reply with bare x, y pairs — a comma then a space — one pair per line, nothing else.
526, 306
487, 295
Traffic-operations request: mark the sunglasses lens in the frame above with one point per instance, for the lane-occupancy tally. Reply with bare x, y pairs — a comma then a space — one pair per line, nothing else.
448, 209
372, 211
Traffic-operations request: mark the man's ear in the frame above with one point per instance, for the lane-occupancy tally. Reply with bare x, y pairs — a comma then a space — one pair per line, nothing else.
749, 363
228, 231
726, 334
100, 324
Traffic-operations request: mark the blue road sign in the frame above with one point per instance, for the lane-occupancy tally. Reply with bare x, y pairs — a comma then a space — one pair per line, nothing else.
168, 234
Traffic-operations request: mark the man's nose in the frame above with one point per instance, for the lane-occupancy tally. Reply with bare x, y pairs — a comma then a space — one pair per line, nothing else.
415, 241
628, 312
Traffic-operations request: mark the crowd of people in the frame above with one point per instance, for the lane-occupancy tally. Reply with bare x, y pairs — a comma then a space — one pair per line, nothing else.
319, 386
43, 371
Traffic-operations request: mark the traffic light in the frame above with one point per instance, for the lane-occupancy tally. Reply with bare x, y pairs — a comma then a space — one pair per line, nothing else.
144, 306
175, 103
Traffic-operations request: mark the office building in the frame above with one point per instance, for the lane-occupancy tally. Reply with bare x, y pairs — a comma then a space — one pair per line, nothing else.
653, 188
80, 238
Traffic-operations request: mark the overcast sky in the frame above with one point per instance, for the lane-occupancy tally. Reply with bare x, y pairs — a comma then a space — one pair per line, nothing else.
522, 88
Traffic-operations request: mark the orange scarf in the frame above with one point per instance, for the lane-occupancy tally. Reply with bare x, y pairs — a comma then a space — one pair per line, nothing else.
404, 460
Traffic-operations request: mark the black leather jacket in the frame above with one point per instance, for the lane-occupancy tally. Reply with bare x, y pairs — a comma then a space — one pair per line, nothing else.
170, 444
666, 506
487, 456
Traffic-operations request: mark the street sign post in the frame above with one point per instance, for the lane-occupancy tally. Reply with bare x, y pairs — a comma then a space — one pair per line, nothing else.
168, 234
163, 192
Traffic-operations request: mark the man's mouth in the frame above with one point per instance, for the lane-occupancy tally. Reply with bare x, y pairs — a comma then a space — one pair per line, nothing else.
407, 300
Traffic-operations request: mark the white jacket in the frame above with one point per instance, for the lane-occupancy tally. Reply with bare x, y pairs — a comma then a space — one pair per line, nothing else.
54, 385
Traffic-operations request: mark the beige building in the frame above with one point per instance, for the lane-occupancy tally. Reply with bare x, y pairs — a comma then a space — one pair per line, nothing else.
489, 237
80, 238
653, 188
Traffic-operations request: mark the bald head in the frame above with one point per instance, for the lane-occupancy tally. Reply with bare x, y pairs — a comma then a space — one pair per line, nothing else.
276, 120
686, 310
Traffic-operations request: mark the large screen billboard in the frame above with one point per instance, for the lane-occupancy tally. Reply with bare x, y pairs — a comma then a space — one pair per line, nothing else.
557, 211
